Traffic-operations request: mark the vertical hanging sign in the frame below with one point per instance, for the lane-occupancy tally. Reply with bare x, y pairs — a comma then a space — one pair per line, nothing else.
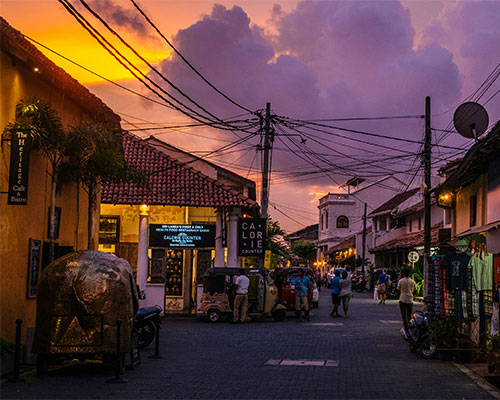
19, 167
252, 237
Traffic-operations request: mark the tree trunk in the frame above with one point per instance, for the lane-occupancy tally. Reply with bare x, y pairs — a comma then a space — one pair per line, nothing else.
89, 218
52, 230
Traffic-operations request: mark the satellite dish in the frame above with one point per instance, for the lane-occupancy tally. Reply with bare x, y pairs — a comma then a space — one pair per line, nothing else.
470, 120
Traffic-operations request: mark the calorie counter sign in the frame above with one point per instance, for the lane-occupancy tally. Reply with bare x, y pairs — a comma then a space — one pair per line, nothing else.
252, 236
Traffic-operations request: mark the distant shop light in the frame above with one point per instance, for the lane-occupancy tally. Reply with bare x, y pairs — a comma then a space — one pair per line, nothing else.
446, 200
36, 69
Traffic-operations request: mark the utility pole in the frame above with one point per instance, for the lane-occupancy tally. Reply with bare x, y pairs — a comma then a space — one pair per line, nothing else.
268, 143
427, 195
363, 245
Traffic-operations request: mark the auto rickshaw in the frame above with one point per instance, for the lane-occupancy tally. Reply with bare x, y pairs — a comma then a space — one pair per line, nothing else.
289, 276
218, 295
80, 298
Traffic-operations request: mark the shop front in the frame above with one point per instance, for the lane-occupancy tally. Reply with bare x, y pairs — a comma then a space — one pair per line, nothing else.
173, 228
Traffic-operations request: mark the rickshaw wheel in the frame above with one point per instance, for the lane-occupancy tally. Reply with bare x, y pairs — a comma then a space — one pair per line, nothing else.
42, 364
279, 315
213, 315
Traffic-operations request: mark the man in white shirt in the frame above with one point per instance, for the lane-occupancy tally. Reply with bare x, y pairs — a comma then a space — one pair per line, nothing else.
241, 298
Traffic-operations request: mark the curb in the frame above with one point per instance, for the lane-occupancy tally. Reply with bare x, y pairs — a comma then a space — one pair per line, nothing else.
479, 380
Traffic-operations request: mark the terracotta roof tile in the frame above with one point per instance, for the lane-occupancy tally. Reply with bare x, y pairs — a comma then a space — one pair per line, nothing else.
393, 202
169, 182
409, 240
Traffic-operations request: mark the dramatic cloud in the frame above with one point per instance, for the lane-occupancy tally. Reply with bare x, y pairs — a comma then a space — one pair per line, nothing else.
332, 59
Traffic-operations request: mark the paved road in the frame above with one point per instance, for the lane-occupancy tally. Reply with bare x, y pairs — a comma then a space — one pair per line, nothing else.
227, 361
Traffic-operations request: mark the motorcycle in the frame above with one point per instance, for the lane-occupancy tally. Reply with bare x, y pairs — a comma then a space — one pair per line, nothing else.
147, 320
359, 284
419, 337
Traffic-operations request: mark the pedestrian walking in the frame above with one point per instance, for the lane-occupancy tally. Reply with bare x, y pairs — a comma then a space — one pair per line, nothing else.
345, 292
301, 286
382, 282
241, 298
406, 287
335, 294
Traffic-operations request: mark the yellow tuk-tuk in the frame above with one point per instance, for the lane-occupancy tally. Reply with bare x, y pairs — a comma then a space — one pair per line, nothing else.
218, 294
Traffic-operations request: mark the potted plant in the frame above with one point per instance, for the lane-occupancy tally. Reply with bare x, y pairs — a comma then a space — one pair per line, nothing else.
446, 331
490, 350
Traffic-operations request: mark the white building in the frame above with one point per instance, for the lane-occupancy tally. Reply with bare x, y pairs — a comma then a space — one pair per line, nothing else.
341, 214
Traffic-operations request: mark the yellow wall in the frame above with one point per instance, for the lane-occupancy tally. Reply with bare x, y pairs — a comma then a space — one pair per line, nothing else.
20, 223
462, 213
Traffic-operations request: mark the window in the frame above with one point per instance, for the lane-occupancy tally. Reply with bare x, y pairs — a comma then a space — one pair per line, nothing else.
473, 210
109, 229
342, 222
326, 220
419, 223
410, 225
383, 224
321, 221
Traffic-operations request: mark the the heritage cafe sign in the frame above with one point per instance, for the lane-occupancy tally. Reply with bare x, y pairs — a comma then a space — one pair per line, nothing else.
252, 237
19, 167
182, 236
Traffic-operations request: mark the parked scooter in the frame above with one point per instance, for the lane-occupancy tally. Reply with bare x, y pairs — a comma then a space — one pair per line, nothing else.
418, 335
146, 321
359, 283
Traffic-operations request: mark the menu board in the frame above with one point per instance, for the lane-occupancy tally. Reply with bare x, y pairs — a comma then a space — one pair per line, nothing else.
173, 272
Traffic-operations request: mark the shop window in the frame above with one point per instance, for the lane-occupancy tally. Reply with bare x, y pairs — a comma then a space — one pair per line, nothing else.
173, 272
109, 229
342, 222
473, 210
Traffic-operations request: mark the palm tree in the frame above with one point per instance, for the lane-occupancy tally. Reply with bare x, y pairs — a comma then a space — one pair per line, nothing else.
94, 154
49, 137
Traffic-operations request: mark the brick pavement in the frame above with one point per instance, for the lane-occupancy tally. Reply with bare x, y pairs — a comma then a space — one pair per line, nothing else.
226, 361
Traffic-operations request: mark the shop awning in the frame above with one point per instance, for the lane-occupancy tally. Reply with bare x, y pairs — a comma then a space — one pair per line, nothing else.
479, 229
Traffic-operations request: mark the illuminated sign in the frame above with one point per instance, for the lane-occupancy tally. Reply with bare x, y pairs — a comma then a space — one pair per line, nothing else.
252, 236
182, 236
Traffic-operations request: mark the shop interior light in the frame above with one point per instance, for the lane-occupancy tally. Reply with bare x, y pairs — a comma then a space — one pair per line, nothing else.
36, 69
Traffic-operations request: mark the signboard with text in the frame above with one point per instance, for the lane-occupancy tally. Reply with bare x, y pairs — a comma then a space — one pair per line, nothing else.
182, 236
19, 168
252, 237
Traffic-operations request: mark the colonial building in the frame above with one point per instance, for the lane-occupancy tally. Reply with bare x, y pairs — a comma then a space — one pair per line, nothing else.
341, 214
471, 192
24, 233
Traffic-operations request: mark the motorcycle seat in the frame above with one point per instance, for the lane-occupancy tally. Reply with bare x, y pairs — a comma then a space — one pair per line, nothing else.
147, 311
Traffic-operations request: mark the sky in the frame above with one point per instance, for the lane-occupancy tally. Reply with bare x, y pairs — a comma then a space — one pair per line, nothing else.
314, 61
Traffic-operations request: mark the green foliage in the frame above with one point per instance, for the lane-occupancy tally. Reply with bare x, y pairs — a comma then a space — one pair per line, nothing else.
490, 347
447, 330
304, 249
6, 346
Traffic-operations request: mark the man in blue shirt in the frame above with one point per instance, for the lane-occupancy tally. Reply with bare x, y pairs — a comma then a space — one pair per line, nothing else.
301, 286
335, 293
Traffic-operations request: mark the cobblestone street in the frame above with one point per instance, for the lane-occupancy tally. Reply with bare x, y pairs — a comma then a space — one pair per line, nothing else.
362, 356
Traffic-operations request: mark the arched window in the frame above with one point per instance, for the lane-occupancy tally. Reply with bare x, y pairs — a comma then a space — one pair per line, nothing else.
342, 222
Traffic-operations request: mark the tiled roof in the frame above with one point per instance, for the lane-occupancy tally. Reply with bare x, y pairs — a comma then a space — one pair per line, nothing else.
414, 208
475, 162
409, 241
169, 182
350, 242
309, 232
13, 42
392, 203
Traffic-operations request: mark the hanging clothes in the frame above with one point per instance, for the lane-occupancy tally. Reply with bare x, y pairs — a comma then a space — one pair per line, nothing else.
456, 270
482, 270
496, 267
